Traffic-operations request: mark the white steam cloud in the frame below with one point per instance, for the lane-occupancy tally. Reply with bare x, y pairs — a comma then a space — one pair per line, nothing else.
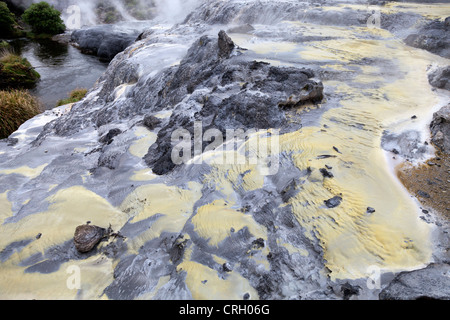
83, 12
173, 11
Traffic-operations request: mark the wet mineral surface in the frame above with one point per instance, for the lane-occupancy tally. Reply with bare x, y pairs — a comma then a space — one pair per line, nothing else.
315, 210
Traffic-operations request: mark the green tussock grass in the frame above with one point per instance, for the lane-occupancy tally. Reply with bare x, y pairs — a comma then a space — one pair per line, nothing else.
74, 96
16, 107
16, 71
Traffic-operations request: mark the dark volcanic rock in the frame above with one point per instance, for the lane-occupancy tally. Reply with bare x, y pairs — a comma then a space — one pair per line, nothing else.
370, 210
109, 137
87, 237
325, 173
348, 290
432, 282
227, 92
226, 45
151, 122
440, 129
433, 37
440, 78
333, 202
103, 41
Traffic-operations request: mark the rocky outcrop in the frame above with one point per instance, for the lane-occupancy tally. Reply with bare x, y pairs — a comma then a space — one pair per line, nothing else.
432, 282
229, 93
440, 129
440, 78
433, 37
104, 41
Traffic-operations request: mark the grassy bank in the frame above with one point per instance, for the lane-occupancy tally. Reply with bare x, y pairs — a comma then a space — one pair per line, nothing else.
16, 71
74, 96
16, 107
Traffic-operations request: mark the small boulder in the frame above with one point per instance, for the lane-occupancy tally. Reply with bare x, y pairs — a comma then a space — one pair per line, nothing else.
226, 45
87, 237
333, 202
440, 129
440, 78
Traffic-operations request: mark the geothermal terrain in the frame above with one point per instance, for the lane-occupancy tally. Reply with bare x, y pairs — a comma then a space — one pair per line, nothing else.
245, 150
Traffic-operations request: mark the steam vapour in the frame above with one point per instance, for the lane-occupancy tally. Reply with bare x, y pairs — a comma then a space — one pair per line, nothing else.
165, 11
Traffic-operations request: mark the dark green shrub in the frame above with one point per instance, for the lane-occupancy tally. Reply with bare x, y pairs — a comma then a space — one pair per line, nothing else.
7, 21
44, 19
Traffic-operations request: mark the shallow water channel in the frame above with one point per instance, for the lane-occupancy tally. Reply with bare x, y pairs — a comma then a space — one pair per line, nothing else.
62, 67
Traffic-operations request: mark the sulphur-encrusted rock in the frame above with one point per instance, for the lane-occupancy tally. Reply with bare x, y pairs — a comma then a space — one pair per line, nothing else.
440, 129
87, 237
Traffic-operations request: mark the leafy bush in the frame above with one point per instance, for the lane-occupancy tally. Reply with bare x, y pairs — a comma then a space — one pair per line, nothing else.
44, 19
7, 21
16, 107
75, 96
15, 71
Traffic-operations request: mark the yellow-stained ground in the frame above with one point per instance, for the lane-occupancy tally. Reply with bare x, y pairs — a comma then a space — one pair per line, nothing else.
392, 238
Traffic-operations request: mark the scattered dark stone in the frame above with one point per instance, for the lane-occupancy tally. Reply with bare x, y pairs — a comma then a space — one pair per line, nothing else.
246, 296
395, 151
109, 137
325, 173
325, 156
87, 237
337, 150
423, 194
425, 211
414, 117
178, 248
370, 210
333, 202
348, 290
151, 122
328, 167
232, 230
227, 267
39, 235
258, 243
